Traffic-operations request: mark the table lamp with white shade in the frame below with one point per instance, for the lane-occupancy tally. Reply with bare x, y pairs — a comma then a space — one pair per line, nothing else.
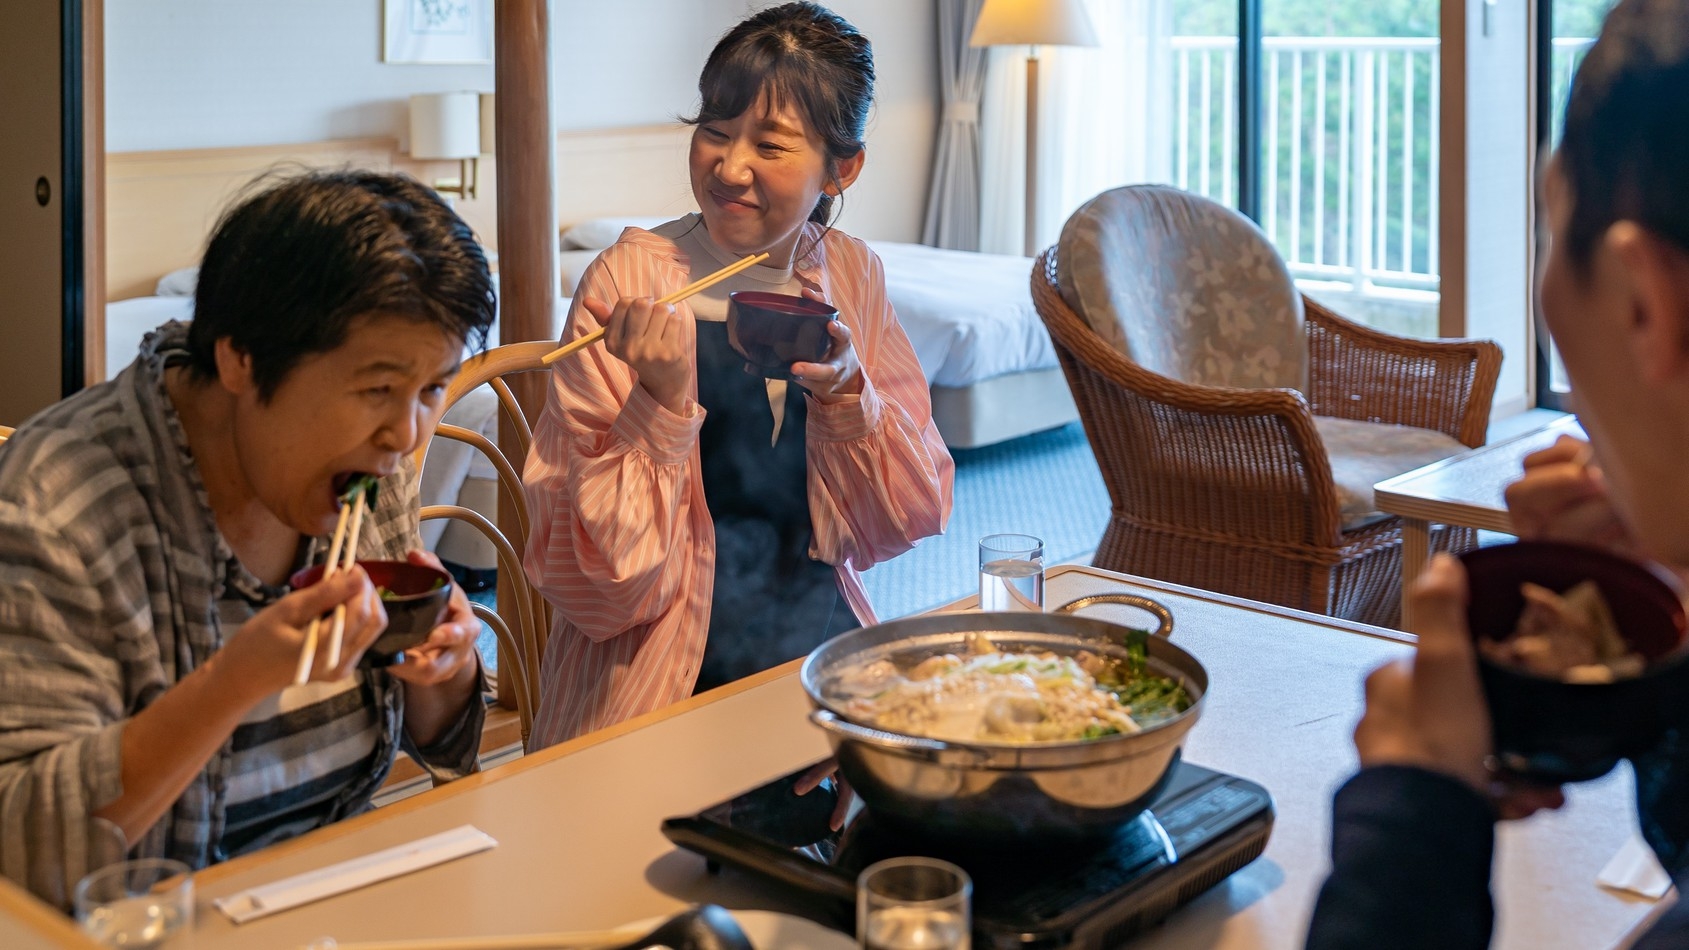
1033, 23
447, 125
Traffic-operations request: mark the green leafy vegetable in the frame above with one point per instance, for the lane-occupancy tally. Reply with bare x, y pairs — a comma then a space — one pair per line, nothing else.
366, 485
1151, 697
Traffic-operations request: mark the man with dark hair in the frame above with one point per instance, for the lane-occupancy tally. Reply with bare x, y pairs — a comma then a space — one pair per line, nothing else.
1414, 831
148, 525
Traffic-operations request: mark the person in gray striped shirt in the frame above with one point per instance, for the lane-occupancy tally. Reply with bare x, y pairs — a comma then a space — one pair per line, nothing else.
148, 525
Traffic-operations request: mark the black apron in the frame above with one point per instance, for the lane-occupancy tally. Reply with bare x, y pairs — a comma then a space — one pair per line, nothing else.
772, 601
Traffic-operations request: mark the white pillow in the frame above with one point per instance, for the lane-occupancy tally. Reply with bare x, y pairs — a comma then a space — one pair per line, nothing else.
178, 283
596, 233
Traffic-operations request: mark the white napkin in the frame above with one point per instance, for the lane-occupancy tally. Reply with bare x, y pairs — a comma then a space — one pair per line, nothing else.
1635, 869
267, 899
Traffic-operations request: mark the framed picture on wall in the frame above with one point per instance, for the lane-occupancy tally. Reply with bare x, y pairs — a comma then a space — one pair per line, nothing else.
437, 31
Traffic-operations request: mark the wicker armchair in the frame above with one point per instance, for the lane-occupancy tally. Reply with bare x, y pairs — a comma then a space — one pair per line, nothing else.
1231, 489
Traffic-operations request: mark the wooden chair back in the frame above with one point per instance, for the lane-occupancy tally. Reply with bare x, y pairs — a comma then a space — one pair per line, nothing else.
523, 618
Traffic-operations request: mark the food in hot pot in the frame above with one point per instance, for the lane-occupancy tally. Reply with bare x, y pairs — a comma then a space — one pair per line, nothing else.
999, 696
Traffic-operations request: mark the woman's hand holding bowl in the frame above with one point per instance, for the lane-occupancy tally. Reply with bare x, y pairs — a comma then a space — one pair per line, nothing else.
449, 652
651, 338
839, 374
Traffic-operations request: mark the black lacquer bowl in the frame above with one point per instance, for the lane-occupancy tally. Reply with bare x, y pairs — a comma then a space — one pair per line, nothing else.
773, 331
415, 598
1554, 731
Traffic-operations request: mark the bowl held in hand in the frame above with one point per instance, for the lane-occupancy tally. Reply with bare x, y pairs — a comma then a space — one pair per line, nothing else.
415, 598
1554, 731
773, 331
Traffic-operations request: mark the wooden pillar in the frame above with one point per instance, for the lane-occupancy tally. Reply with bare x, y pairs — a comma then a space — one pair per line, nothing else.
527, 207
527, 213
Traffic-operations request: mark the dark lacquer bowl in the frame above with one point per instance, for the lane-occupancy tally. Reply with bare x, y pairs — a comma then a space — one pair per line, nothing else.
414, 596
773, 331
1553, 731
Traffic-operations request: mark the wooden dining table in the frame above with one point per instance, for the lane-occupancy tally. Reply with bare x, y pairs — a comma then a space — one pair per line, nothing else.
579, 845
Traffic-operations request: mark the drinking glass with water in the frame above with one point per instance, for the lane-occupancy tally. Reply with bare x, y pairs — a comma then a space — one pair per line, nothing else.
136, 904
913, 904
1011, 572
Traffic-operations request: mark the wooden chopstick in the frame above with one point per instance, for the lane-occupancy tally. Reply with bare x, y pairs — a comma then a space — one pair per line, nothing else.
582, 939
702, 283
308, 652
349, 558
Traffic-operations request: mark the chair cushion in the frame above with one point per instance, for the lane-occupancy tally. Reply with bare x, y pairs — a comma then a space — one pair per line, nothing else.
1185, 287
1366, 453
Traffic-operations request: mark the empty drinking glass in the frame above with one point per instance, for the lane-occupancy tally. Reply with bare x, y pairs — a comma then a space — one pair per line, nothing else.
913, 904
136, 904
1011, 572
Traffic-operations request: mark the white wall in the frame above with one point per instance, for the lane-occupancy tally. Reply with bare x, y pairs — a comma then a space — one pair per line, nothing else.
209, 73
1486, 212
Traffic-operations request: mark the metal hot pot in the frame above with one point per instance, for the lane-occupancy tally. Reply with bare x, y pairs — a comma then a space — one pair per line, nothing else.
991, 793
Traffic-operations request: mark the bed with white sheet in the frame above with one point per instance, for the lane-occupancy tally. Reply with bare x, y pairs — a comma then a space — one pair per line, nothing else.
452, 473
990, 364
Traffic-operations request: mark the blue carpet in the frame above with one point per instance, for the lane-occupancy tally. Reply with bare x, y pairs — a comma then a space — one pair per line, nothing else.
1046, 485
487, 643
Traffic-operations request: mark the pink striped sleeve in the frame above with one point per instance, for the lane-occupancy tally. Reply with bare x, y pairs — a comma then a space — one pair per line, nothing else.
607, 477
881, 477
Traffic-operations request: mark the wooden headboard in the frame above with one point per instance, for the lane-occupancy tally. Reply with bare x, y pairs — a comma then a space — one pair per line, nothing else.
637, 170
161, 206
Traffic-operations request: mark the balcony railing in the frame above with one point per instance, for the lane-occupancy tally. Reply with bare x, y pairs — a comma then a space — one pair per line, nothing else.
1350, 139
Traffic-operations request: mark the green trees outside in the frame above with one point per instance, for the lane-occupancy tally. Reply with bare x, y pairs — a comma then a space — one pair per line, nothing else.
1369, 18
1312, 110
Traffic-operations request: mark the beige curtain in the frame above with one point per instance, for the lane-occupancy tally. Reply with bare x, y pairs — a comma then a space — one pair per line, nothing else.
952, 219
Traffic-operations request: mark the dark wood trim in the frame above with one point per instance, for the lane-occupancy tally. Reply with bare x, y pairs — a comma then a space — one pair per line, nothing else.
1249, 106
1451, 197
73, 180
1543, 74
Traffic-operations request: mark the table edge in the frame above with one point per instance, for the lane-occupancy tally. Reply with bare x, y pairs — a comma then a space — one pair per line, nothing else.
1442, 463
35, 916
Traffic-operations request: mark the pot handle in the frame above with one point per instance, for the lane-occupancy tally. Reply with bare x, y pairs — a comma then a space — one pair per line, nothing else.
931, 749
1162, 614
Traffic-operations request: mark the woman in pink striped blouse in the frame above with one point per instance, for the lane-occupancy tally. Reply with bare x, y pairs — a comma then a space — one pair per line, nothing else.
693, 523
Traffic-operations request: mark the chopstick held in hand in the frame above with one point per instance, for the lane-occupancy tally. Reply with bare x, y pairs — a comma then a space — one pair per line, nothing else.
702, 283
349, 557
361, 487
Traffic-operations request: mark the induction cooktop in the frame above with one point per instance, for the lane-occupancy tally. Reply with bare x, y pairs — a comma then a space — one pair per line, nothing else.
1203, 827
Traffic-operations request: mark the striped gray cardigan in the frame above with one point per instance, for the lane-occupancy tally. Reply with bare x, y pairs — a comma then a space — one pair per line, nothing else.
111, 567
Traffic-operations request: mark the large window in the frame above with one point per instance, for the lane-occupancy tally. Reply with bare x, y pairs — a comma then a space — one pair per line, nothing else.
1347, 157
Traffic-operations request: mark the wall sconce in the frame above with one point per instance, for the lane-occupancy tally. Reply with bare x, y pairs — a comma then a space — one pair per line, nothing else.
447, 125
